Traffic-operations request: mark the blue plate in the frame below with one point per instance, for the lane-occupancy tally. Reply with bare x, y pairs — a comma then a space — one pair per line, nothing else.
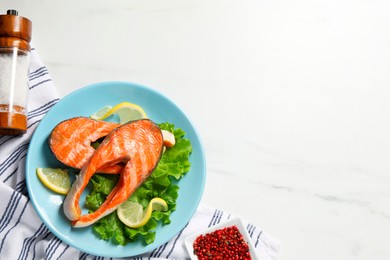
84, 102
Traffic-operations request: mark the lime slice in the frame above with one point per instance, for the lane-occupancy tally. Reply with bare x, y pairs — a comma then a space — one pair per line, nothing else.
56, 180
133, 215
126, 112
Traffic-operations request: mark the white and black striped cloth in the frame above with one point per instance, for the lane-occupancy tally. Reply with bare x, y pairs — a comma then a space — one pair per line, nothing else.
24, 236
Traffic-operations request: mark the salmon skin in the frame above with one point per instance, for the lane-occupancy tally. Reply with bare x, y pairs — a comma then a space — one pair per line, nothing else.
137, 144
70, 141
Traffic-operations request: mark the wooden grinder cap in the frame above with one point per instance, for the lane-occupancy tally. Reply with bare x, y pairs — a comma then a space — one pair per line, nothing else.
15, 31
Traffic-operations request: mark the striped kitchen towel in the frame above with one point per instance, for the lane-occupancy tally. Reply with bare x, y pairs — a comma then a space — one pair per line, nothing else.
24, 236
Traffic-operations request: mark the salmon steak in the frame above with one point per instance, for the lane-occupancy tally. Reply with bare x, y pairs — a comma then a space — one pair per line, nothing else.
70, 141
138, 145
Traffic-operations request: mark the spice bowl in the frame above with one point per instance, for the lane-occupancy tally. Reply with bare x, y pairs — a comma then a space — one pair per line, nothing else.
231, 225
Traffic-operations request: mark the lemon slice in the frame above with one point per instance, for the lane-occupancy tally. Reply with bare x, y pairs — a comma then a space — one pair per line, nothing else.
126, 112
100, 113
56, 180
133, 215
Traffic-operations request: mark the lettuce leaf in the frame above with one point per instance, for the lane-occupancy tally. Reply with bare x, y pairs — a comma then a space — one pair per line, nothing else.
174, 164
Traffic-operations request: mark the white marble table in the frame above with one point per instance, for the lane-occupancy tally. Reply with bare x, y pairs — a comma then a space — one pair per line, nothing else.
291, 98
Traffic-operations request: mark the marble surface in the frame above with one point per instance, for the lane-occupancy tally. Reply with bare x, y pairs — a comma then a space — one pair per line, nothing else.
291, 99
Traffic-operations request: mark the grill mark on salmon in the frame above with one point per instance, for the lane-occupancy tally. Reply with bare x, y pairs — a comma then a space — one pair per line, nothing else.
137, 144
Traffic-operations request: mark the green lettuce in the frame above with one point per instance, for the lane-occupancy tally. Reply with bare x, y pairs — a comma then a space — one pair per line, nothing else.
162, 183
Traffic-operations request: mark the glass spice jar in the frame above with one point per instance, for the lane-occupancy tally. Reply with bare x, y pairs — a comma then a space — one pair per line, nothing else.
15, 37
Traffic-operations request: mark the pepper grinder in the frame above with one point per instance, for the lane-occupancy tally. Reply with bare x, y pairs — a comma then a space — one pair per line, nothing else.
15, 37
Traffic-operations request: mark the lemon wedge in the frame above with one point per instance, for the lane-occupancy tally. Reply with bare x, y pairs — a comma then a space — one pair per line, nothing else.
57, 180
126, 112
133, 215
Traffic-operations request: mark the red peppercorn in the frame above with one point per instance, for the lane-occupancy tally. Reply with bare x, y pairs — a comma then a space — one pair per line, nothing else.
225, 243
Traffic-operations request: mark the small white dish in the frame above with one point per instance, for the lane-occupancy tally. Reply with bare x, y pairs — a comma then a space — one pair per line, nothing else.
234, 221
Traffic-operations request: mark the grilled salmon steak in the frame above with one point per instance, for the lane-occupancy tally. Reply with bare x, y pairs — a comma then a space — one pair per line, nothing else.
138, 145
70, 141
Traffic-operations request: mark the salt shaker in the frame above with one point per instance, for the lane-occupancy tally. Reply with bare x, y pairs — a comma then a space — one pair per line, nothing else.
15, 37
